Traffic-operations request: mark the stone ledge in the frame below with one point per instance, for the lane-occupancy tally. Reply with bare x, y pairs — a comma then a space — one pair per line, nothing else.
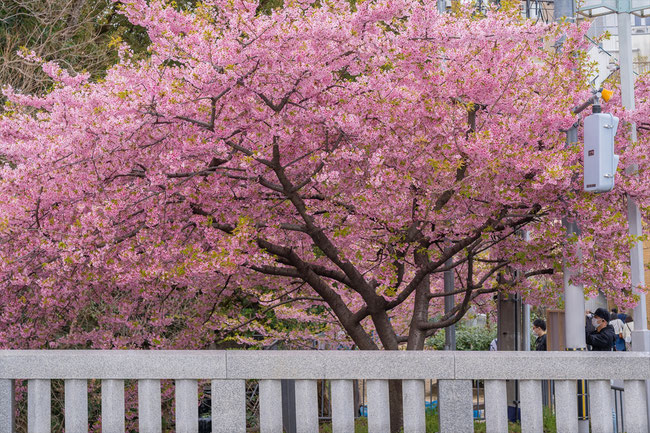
115, 364
240, 364
552, 365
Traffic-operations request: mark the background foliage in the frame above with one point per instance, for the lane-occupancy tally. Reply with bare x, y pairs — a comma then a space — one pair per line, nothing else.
467, 337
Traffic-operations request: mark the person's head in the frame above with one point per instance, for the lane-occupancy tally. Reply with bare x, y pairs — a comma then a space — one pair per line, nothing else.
629, 319
600, 319
539, 327
615, 310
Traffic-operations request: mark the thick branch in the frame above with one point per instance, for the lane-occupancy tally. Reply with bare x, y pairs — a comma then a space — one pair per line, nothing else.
333, 299
497, 225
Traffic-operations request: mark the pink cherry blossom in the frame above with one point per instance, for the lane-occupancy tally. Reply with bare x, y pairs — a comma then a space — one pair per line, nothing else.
323, 163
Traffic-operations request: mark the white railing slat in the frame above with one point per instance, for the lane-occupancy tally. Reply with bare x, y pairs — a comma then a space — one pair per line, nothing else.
306, 406
635, 406
455, 404
76, 406
7, 406
270, 406
600, 406
530, 395
112, 406
378, 406
496, 406
39, 405
342, 405
229, 406
566, 406
149, 409
187, 403
413, 403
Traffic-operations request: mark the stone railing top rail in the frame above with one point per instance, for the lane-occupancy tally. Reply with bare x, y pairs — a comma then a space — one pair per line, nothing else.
315, 364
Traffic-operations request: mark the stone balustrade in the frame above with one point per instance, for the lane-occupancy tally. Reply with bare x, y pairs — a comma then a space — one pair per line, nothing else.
228, 370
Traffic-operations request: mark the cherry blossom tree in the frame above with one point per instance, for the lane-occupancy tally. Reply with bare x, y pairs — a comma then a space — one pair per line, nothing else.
314, 156
326, 163
321, 166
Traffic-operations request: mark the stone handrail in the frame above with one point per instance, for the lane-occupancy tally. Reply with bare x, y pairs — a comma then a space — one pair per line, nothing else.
228, 371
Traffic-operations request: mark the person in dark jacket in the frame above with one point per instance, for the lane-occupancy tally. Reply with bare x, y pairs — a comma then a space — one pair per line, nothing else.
599, 334
539, 329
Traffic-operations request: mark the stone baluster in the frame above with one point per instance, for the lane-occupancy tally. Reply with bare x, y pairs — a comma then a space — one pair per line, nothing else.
187, 398
39, 406
306, 406
530, 394
229, 406
76, 406
496, 406
149, 415
413, 403
566, 406
7, 406
112, 406
455, 404
342, 406
270, 406
378, 406
600, 406
635, 406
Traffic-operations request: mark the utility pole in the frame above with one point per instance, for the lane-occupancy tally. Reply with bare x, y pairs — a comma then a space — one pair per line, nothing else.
574, 313
623, 9
640, 335
450, 331
574, 295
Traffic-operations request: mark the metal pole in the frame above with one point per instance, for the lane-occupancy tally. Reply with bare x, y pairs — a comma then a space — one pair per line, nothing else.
633, 214
450, 331
574, 302
526, 327
289, 405
564, 9
574, 309
640, 335
574, 297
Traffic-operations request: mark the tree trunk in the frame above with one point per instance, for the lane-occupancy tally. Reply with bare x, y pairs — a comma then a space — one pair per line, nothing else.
396, 408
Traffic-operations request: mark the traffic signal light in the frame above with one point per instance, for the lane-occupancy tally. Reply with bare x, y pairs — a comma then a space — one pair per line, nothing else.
599, 160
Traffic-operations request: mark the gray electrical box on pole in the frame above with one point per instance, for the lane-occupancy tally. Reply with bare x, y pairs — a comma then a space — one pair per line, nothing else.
599, 159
